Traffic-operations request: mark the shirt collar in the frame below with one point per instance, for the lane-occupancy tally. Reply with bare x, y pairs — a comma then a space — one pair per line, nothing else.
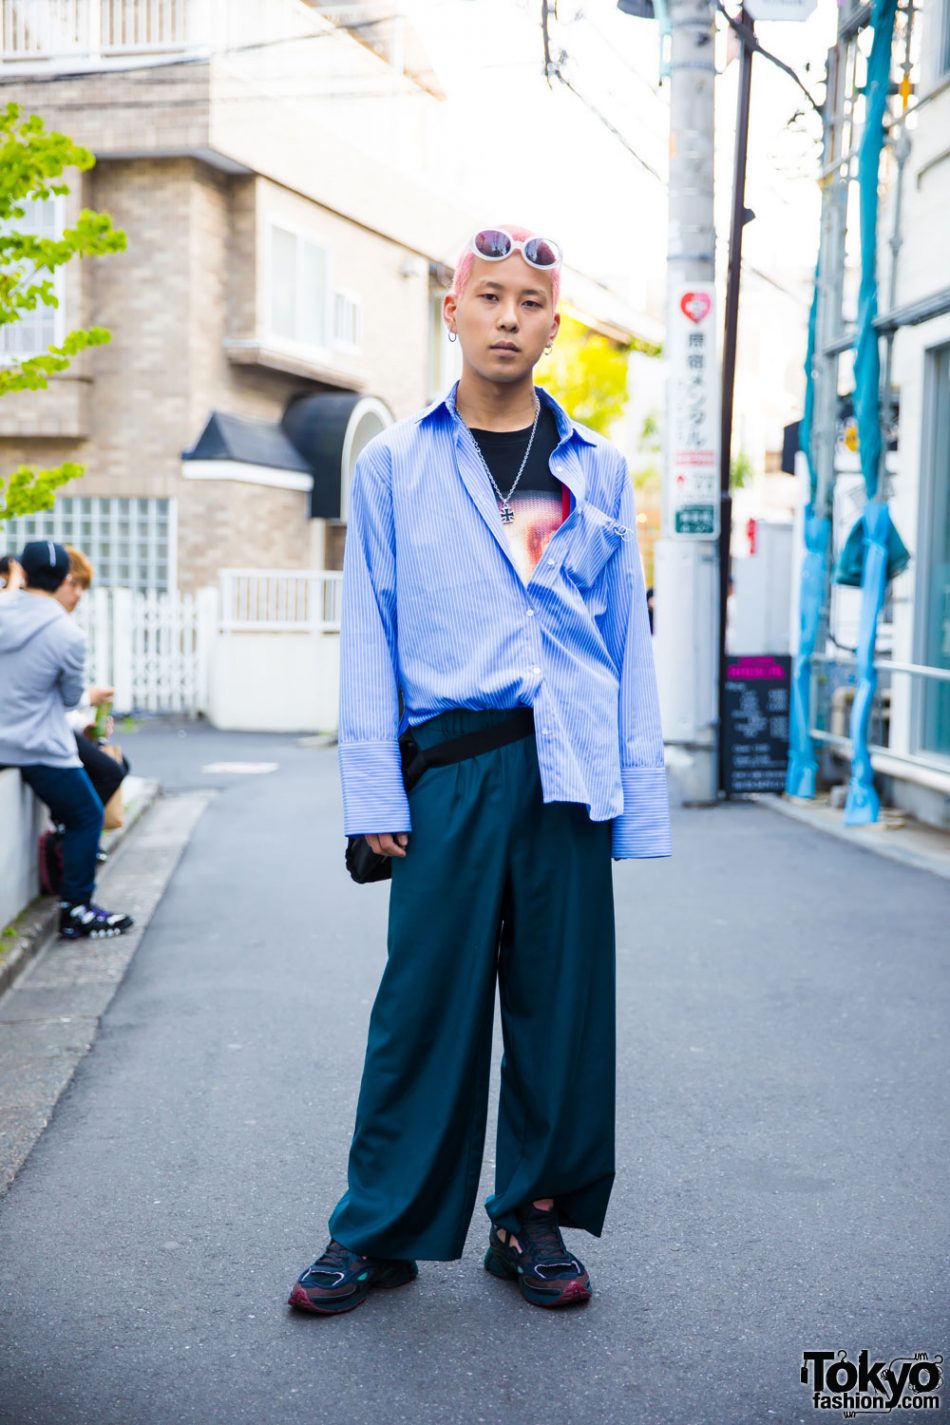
565, 426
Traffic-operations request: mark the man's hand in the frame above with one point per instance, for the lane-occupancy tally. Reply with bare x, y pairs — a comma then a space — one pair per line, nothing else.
101, 695
385, 844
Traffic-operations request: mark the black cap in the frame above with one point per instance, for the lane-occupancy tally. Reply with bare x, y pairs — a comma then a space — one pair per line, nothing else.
41, 555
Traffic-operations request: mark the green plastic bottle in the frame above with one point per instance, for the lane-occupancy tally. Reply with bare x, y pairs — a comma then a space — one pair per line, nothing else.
99, 726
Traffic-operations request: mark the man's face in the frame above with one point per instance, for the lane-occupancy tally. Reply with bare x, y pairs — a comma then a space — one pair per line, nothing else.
69, 593
505, 317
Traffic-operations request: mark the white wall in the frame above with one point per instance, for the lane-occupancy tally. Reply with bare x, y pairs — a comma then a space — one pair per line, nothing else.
22, 818
274, 681
762, 593
923, 269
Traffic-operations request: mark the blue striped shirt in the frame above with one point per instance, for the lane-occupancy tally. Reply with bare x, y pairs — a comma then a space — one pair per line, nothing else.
433, 604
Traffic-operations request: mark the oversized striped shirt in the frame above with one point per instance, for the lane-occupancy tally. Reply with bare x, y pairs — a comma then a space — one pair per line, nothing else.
434, 607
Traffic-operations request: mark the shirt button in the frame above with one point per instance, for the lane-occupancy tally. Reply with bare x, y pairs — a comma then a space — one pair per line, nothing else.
531, 613
534, 669
550, 563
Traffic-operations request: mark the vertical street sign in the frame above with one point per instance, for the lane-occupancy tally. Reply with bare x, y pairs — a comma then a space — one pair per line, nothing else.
692, 491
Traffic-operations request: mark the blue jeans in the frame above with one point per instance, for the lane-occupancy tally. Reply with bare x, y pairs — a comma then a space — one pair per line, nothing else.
73, 800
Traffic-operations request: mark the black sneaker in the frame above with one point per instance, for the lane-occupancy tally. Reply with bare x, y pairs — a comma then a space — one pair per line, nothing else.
547, 1273
90, 922
340, 1280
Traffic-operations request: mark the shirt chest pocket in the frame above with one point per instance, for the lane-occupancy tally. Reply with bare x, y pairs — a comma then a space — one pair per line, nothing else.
591, 543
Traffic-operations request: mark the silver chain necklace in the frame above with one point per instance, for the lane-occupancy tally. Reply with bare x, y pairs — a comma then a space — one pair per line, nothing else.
507, 513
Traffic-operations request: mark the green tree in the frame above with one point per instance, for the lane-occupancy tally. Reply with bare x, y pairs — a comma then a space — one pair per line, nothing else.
648, 476
587, 374
740, 470
31, 160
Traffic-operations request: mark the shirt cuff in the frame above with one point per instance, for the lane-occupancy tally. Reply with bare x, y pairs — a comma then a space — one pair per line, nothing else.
374, 794
643, 827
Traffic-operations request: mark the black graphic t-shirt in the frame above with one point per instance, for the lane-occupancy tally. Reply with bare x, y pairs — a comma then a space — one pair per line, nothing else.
537, 501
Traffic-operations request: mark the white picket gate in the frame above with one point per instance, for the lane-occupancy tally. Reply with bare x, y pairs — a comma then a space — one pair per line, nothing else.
161, 651
152, 648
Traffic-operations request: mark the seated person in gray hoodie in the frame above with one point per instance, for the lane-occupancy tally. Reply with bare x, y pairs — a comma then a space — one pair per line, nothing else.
42, 659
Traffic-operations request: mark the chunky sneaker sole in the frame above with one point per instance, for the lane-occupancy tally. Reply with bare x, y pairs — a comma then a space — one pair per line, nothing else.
91, 922
350, 1290
502, 1262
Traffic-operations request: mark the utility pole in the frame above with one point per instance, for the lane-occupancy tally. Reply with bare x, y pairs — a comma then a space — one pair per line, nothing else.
686, 602
740, 215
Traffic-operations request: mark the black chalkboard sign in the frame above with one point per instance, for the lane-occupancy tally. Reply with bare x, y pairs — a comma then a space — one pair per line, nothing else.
755, 722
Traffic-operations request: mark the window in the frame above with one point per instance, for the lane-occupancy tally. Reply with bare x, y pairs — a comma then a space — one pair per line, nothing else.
299, 308
347, 320
36, 331
129, 541
935, 546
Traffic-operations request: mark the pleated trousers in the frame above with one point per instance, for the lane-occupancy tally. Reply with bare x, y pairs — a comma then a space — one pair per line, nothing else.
497, 887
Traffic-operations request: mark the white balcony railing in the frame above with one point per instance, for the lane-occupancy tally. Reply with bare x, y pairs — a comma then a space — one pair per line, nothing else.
258, 600
93, 32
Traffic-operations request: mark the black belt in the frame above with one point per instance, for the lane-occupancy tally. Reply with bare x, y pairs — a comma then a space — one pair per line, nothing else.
364, 864
416, 759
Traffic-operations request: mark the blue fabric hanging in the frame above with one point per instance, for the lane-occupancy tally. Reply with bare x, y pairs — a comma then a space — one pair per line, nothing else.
849, 569
801, 776
862, 804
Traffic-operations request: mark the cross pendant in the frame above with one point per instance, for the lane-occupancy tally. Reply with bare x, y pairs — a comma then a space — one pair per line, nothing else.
507, 513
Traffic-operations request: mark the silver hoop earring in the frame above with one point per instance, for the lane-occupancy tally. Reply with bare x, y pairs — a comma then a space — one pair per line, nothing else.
453, 336
549, 349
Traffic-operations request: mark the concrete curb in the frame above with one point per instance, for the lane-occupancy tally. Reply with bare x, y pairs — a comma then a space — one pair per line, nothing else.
927, 853
37, 923
50, 1019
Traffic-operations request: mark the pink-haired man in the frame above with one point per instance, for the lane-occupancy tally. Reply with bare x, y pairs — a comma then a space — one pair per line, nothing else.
495, 635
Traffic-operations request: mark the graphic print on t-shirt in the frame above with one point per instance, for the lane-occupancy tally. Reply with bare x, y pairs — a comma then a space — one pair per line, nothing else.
537, 498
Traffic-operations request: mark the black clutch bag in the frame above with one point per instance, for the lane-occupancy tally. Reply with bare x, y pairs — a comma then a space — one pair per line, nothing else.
362, 862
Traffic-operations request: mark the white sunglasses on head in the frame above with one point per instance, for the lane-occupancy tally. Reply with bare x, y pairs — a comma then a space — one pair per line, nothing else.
495, 244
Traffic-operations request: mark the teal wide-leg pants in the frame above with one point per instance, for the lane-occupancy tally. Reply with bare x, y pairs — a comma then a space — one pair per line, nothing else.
496, 884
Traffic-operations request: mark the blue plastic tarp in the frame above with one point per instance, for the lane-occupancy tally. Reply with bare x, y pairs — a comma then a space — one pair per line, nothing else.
863, 804
800, 779
802, 770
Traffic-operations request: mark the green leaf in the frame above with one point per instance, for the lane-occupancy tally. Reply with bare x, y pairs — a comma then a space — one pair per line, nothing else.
25, 491
32, 160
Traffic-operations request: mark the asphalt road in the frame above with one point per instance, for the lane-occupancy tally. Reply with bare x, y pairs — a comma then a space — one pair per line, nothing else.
782, 1143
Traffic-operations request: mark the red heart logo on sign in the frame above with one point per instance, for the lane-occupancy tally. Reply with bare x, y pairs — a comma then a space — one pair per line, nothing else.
696, 305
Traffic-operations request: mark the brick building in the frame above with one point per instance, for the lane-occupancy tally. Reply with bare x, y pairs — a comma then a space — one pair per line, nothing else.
276, 166
276, 256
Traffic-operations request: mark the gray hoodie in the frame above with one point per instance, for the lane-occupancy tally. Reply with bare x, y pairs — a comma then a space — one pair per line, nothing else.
42, 663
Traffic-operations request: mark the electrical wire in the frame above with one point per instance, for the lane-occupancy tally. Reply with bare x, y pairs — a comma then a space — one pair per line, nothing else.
552, 68
588, 24
751, 41
647, 167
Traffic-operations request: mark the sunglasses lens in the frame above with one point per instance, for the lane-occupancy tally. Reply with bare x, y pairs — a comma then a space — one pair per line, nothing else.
541, 253
492, 243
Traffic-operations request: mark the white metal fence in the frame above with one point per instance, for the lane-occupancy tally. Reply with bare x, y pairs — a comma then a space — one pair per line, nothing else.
275, 600
156, 649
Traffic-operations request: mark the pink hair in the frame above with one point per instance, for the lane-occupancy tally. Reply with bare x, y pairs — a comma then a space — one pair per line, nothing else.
463, 270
